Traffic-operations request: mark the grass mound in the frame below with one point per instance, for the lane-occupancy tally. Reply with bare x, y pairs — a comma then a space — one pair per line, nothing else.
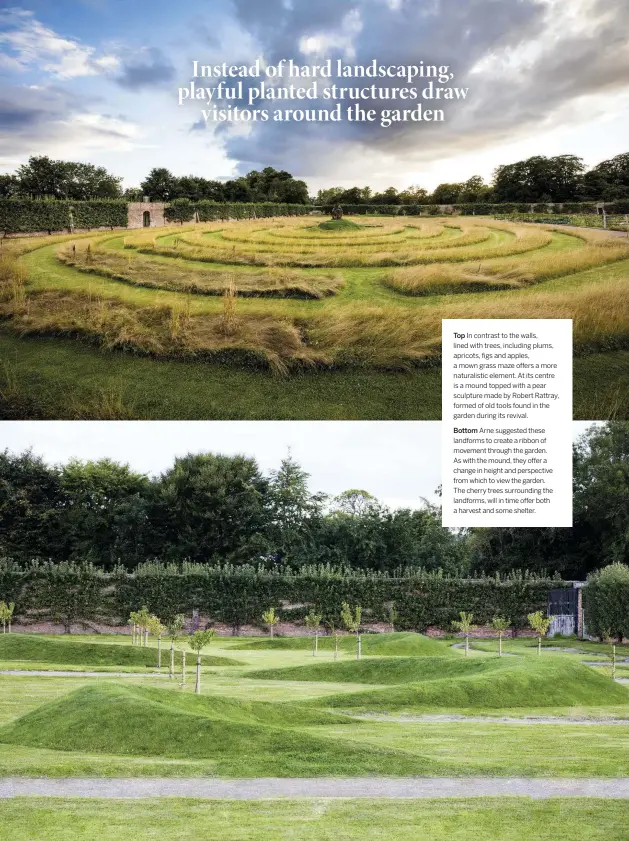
243, 740
382, 670
27, 647
401, 644
339, 225
494, 684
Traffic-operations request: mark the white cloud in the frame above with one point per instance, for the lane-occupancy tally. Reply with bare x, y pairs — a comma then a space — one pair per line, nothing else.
28, 43
322, 43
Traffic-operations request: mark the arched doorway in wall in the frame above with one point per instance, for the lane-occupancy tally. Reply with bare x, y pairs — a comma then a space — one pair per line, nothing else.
146, 219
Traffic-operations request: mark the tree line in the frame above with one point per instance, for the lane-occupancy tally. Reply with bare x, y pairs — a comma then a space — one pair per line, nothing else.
539, 179
216, 509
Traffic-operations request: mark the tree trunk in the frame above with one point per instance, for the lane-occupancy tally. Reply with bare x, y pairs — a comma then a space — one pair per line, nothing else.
171, 672
159, 652
271, 630
316, 644
499, 645
183, 667
539, 645
358, 646
467, 644
336, 646
613, 662
197, 685
4, 627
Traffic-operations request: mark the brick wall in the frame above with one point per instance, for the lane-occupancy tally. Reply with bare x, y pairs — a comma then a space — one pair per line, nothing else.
136, 211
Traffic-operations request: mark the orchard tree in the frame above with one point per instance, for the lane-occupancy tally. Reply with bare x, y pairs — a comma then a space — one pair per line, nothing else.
270, 618
334, 632
174, 629
500, 624
540, 624
156, 628
198, 641
143, 621
464, 625
313, 621
6, 614
351, 618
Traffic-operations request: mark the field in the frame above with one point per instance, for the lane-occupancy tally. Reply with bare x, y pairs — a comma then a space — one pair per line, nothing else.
290, 318
412, 709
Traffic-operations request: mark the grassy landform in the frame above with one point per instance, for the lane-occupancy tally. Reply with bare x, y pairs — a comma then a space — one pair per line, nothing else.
399, 644
340, 322
302, 820
29, 648
285, 713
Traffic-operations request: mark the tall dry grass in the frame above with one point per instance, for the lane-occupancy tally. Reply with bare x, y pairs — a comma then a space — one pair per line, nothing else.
144, 271
481, 276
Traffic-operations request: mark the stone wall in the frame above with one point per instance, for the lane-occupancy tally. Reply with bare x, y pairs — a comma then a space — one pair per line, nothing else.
136, 211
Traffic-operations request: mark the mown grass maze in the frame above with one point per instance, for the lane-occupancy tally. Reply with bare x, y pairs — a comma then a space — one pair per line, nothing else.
295, 304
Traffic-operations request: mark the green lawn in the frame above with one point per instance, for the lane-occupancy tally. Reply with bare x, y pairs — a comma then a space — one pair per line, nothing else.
518, 819
282, 712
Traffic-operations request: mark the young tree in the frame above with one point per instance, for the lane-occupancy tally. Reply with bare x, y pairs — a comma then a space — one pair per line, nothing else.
143, 619
334, 632
609, 639
133, 621
155, 627
198, 641
500, 624
6, 613
271, 619
464, 625
173, 631
313, 621
351, 619
393, 616
540, 624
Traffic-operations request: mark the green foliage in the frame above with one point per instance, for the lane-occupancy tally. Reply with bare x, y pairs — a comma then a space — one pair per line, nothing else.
239, 595
201, 639
351, 617
464, 623
175, 626
539, 623
32, 215
269, 617
606, 602
313, 620
6, 613
500, 624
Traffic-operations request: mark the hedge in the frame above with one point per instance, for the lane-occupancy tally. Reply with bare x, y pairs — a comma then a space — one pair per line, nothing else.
208, 211
239, 595
19, 216
476, 209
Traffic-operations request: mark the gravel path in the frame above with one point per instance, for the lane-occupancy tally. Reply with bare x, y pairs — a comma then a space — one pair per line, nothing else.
49, 673
490, 719
369, 787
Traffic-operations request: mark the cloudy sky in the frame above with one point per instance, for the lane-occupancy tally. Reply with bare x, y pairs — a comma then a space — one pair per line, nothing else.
398, 462
97, 80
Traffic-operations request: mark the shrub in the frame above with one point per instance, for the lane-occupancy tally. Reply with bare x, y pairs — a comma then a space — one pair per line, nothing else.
606, 602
